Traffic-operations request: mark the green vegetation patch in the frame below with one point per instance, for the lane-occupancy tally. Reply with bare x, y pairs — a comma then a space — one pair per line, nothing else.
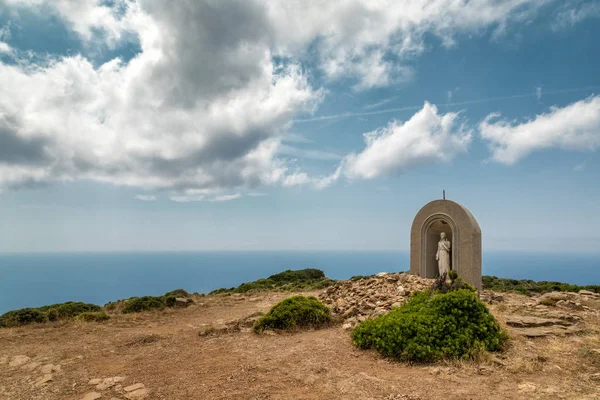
178, 293
433, 326
53, 312
529, 287
289, 280
146, 303
98, 316
295, 312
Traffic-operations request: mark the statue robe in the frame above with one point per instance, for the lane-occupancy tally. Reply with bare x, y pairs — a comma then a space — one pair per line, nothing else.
443, 256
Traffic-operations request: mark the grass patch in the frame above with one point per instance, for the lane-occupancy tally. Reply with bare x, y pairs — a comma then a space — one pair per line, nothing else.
88, 316
295, 312
289, 280
433, 326
529, 287
50, 313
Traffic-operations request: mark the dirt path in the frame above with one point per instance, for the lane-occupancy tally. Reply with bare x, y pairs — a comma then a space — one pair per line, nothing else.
164, 352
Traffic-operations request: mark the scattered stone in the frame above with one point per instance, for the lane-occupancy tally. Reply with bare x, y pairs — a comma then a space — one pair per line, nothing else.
31, 366
363, 298
136, 386
588, 293
183, 302
49, 368
527, 387
105, 385
18, 361
43, 380
137, 394
595, 377
521, 321
92, 396
94, 381
347, 326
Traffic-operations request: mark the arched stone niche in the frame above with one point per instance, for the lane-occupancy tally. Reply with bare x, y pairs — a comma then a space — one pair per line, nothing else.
461, 229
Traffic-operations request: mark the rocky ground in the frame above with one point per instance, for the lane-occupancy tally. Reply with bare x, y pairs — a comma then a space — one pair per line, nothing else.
208, 351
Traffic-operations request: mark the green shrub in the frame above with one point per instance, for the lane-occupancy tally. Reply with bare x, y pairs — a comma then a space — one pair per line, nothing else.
52, 315
92, 316
432, 327
289, 280
529, 287
53, 312
295, 312
170, 301
22, 317
146, 303
177, 293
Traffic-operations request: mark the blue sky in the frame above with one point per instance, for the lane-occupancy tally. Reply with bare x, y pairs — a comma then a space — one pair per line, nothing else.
255, 125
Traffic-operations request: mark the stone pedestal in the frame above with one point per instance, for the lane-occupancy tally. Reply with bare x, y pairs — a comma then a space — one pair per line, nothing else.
460, 228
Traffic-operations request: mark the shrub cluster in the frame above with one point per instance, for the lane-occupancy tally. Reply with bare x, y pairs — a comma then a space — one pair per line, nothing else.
289, 280
97, 316
433, 326
295, 312
53, 312
529, 287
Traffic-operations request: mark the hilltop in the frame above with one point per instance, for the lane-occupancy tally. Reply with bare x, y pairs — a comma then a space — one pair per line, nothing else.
208, 351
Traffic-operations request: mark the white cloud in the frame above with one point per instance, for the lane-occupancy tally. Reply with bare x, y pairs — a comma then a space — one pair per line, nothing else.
225, 197
162, 120
166, 121
427, 137
574, 127
292, 151
4, 48
538, 92
145, 197
574, 11
256, 194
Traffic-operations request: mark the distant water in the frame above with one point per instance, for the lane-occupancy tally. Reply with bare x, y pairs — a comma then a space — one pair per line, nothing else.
30, 280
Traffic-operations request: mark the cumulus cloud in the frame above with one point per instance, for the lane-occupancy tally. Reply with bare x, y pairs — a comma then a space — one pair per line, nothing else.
145, 197
205, 104
574, 127
427, 137
163, 120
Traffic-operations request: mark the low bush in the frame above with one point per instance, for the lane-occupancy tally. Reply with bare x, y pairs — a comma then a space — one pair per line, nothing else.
433, 326
289, 280
295, 312
99, 316
529, 287
178, 293
146, 303
53, 312
24, 316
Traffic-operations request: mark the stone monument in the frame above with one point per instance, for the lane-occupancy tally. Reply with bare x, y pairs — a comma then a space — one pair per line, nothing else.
445, 236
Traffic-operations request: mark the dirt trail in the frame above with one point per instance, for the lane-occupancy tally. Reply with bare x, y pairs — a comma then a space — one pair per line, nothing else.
163, 351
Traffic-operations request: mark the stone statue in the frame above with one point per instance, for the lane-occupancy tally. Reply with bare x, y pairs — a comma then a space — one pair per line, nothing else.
443, 254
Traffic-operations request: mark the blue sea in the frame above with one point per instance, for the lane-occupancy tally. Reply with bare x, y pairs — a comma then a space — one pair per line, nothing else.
31, 280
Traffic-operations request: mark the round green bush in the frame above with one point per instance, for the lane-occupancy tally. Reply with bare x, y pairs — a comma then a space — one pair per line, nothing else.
92, 316
146, 303
432, 327
295, 312
52, 315
24, 316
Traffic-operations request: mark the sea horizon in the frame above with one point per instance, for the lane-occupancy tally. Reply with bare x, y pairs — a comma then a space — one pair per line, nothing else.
40, 278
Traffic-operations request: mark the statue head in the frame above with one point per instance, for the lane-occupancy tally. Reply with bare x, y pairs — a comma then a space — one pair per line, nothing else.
443, 235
